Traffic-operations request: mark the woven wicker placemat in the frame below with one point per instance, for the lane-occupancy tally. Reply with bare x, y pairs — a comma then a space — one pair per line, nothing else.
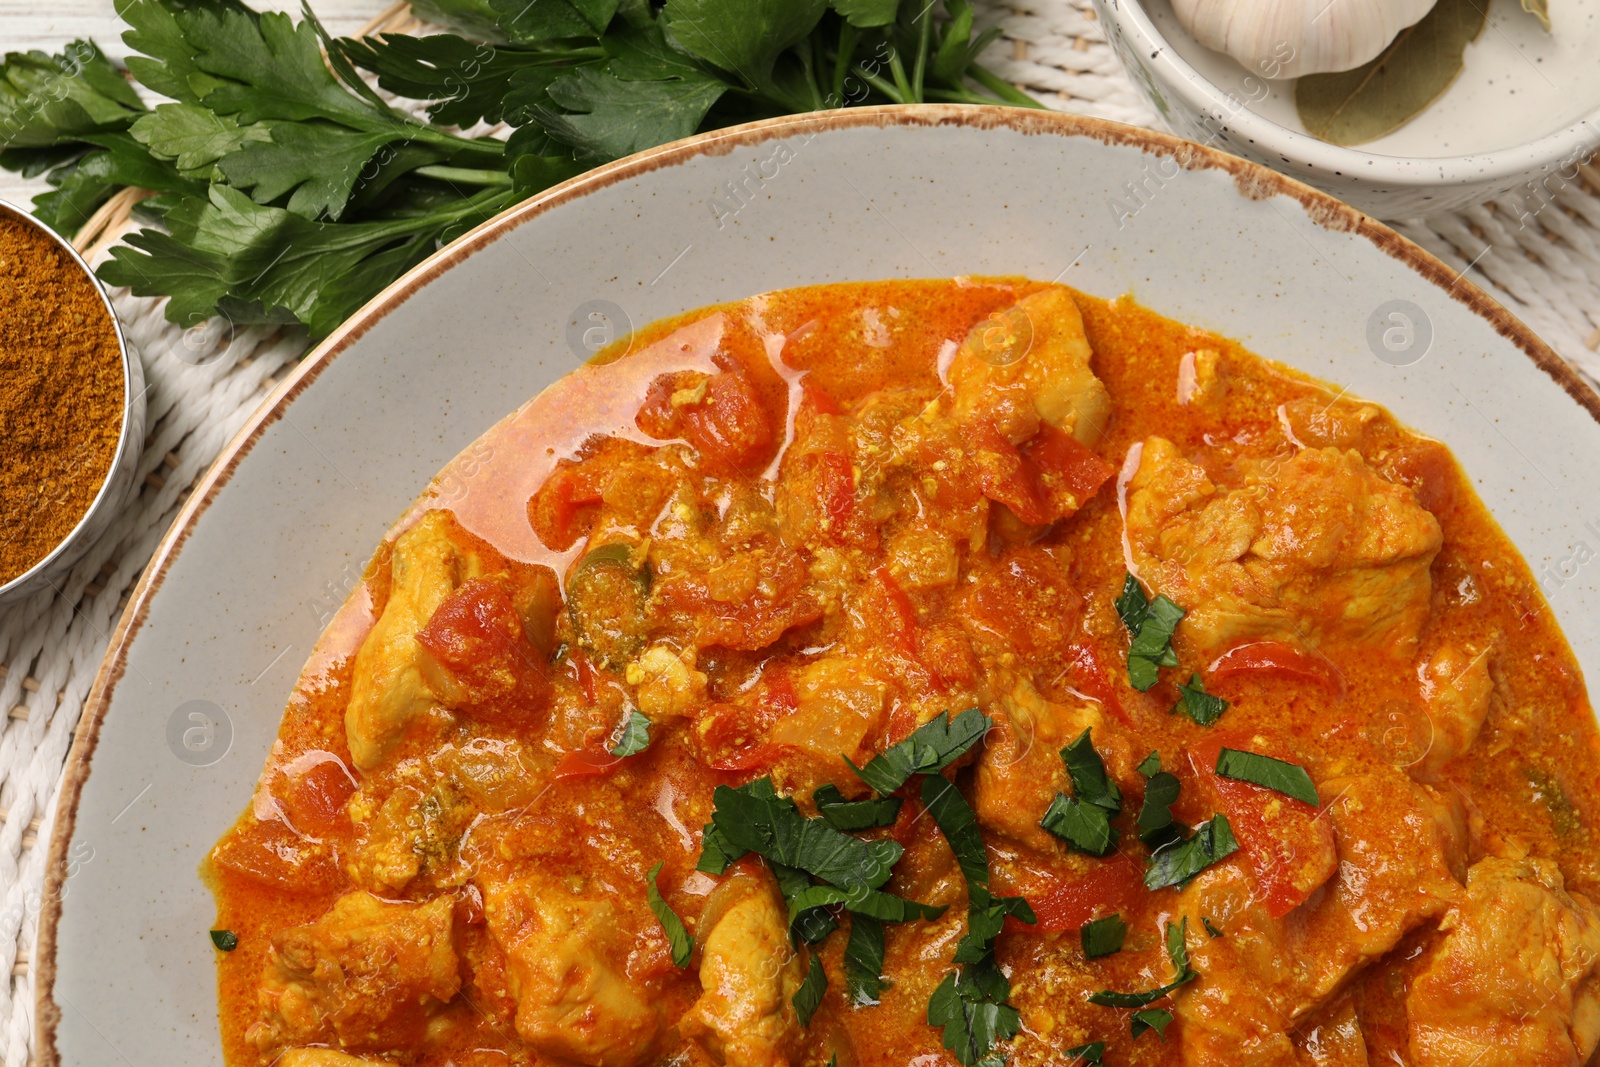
1539, 256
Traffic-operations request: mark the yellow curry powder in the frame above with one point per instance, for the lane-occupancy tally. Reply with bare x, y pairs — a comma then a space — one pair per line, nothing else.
60, 395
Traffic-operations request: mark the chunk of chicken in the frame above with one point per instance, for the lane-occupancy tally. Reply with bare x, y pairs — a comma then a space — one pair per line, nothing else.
1029, 364
567, 955
1400, 848
1514, 982
388, 691
749, 974
1334, 1038
367, 976
1302, 550
1020, 770
1456, 689
324, 1057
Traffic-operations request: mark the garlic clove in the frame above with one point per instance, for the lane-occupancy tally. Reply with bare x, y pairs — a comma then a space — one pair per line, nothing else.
1288, 38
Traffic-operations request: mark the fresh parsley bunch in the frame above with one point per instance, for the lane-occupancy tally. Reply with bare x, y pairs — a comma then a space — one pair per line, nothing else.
280, 187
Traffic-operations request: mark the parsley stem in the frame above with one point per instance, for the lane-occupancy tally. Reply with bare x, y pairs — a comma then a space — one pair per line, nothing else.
898, 69
879, 84
465, 176
848, 36
919, 67
1002, 88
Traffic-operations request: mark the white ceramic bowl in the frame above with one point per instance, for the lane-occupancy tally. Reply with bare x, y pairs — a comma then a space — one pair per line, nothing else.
275, 535
1522, 115
103, 509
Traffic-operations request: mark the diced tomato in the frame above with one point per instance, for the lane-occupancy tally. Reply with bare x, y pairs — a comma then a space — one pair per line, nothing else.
1049, 478
1275, 658
722, 416
1112, 885
475, 636
554, 509
733, 737
274, 855
314, 789
1088, 674
1002, 474
897, 616
1026, 600
1289, 847
836, 487
585, 763
1067, 473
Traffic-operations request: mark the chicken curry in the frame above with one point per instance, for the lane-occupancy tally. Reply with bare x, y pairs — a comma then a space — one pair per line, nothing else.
928, 672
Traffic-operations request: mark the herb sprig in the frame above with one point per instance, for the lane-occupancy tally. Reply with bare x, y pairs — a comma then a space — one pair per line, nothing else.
285, 190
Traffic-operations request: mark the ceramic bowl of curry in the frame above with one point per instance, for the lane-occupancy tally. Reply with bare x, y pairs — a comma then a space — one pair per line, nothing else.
956, 470
71, 407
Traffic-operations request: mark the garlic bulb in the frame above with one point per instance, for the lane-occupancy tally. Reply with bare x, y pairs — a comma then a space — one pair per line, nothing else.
1288, 38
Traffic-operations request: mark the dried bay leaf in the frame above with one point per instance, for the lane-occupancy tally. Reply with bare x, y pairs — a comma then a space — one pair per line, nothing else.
1539, 9
1356, 106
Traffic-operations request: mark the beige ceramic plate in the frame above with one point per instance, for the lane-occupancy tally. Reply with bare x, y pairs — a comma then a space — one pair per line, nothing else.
189, 699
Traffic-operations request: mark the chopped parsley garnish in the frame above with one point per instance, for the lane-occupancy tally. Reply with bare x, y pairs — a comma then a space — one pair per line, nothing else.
808, 998
1177, 952
845, 814
635, 735
863, 961
226, 940
1289, 779
1211, 927
885, 907
1087, 1055
1150, 624
1178, 861
677, 936
974, 1021
1157, 1019
931, 748
1083, 820
1198, 704
1103, 937
970, 1004
1161, 789
753, 818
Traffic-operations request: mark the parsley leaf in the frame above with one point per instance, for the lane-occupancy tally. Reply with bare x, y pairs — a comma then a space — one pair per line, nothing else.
1177, 952
1211, 927
845, 814
226, 940
1088, 1055
1156, 824
744, 37
1103, 937
932, 747
808, 998
1083, 820
873, 903
753, 818
1156, 1019
972, 1020
526, 22
863, 961
1289, 779
1150, 766
1150, 623
1198, 704
1176, 863
866, 14
677, 936
603, 117
50, 100
958, 823
635, 735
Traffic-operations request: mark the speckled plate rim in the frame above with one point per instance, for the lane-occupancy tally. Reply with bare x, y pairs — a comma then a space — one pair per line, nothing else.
1254, 182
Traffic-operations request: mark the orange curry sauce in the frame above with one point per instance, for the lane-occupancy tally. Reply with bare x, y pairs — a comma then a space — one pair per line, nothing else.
796, 528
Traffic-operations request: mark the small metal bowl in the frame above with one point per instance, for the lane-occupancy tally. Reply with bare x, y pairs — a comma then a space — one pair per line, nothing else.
113, 492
